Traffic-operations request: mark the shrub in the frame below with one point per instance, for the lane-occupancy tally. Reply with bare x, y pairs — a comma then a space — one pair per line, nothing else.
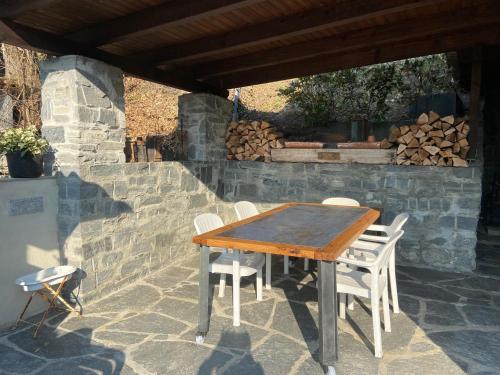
368, 93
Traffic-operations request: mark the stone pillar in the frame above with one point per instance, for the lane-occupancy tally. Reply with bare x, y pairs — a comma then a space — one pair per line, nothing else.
204, 117
82, 112
84, 121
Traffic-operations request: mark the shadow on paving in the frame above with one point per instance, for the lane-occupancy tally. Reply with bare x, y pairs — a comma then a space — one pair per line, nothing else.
57, 352
248, 365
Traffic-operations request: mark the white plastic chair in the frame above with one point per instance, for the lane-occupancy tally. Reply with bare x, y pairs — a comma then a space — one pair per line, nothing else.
372, 284
244, 210
341, 201
236, 264
368, 244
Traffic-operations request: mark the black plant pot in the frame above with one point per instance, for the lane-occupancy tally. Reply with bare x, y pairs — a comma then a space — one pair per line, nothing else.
27, 166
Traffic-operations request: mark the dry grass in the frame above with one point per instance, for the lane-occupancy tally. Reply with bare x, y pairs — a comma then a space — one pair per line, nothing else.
150, 108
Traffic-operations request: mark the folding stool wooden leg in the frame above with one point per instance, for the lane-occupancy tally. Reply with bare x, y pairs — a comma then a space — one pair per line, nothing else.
24, 310
51, 304
58, 296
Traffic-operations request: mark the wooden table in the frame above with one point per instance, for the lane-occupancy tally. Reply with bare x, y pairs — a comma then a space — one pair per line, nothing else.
304, 230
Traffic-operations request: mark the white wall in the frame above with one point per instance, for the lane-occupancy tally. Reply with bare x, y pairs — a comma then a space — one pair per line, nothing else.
28, 238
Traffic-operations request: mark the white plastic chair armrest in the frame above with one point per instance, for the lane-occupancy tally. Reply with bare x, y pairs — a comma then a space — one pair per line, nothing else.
377, 228
372, 238
355, 262
364, 245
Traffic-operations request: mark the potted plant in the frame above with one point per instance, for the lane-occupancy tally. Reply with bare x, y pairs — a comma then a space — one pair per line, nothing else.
23, 148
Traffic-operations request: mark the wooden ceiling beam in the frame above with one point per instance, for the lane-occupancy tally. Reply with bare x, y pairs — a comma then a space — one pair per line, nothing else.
13, 8
488, 13
341, 13
368, 56
27, 37
167, 14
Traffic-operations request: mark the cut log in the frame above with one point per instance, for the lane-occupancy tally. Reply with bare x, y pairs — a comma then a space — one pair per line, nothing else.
423, 154
446, 143
420, 133
459, 162
433, 150
407, 137
413, 143
426, 128
423, 119
401, 148
433, 116
437, 125
410, 151
404, 129
436, 133
426, 161
450, 119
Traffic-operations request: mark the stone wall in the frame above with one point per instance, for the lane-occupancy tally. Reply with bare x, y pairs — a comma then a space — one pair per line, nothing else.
138, 217
204, 117
443, 203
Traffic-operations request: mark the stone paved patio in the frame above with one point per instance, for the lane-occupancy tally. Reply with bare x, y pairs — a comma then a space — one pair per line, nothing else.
450, 324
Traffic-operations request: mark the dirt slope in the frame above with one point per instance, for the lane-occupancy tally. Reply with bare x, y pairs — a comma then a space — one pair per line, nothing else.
152, 109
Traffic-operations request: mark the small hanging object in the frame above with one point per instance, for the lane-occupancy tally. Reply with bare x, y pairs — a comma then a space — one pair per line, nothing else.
237, 93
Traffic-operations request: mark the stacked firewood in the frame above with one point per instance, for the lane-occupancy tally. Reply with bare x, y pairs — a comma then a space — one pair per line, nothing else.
433, 140
252, 140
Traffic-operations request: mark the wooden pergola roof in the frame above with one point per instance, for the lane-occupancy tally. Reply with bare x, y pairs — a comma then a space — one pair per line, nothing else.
214, 45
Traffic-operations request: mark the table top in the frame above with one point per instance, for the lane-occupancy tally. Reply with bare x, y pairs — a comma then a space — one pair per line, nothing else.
304, 230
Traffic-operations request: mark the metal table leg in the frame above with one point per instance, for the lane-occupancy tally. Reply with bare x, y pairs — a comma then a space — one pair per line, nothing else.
203, 292
327, 300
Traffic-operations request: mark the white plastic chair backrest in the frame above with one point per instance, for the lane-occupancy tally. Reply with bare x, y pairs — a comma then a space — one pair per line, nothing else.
382, 260
397, 223
207, 222
341, 201
245, 209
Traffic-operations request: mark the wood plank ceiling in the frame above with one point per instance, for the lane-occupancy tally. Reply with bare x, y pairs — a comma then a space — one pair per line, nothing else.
214, 45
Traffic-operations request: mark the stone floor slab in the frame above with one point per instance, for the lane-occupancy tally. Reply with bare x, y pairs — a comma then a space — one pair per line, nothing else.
149, 323
16, 362
276, 356
180, 358
135, 298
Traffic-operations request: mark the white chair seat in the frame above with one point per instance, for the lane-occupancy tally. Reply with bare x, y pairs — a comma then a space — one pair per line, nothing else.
249, 263
351, 281
51, 276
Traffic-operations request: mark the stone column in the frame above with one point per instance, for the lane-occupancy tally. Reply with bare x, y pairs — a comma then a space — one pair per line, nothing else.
84, 121
82, 112
204, 117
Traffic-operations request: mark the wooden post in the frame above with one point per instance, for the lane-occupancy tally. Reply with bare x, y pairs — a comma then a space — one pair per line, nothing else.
475, 102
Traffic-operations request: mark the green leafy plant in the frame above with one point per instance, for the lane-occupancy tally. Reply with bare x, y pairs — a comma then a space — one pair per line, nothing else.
368, 93
25, 140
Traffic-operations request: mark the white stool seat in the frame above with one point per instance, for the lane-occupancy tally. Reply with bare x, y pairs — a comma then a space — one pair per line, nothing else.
249, 262
51, 276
